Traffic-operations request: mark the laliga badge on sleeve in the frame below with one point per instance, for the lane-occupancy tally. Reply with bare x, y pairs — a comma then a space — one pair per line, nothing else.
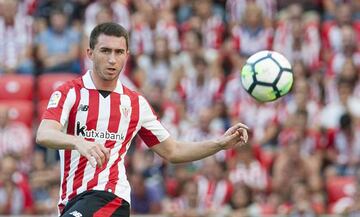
54, 99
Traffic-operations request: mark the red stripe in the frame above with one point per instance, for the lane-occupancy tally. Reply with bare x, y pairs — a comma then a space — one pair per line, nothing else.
148, 137
114, 172
61, 208
67, 153
109, 208
113, 126
91, 123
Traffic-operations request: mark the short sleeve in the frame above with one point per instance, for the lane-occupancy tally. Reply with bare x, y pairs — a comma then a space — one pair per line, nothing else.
60, 104
152, 132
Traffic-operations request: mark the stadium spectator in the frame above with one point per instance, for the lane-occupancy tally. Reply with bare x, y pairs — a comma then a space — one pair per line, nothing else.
201, 90
331, 112
332, 38
44, 181
145, 199
15, 138
214, 188
59, 45
300, 203
236, 10
209, 24
241, 201
16, 36
297, 37
15, 192
251, 35
345, 150
187, 203
248, 171
291, 167
117, 10
158, 66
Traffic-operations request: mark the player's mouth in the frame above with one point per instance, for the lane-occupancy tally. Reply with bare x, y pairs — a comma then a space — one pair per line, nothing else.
111, 70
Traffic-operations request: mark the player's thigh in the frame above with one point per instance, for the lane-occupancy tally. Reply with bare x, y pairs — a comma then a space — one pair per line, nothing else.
98, 204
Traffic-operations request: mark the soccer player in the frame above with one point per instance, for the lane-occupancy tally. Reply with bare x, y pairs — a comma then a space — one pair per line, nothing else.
92, 120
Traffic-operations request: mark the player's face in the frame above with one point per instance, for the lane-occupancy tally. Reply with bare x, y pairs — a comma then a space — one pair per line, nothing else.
109, 56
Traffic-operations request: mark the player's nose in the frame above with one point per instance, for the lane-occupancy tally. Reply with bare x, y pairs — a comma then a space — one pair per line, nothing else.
112, 58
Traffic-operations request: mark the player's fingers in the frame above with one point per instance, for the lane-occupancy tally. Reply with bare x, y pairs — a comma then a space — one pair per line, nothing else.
243, 135
96, 155
106, 152
231, 131
91, 160
241, 125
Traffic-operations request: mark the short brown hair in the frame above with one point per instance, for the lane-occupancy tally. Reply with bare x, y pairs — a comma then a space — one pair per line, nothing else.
110, 29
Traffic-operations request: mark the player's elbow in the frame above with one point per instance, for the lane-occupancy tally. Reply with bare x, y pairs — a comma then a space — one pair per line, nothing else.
40, 137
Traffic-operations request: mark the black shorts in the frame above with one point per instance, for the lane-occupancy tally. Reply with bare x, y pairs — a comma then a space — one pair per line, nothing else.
96, 204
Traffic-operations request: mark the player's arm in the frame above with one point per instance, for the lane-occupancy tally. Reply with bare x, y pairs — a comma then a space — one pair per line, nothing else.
50, 135
179, 152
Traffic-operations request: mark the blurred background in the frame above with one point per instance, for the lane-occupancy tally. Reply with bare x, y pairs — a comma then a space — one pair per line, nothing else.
303, 156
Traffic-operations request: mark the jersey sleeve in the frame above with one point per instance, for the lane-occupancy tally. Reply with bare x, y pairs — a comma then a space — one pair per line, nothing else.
152, 132
60, 104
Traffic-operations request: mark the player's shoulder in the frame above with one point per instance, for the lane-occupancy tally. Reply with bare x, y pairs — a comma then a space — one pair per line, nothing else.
73, 83
130, 92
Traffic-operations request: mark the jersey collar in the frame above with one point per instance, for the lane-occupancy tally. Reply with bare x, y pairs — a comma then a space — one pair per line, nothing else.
89, 84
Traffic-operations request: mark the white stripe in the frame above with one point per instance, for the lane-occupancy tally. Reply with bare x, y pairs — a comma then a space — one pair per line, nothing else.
148, 120
114, 152
101, 126
220, 193
81, 116
122, 189
68, 104
62, 160
203, 186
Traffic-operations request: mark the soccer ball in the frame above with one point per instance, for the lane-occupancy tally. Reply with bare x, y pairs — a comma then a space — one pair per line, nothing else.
267, 76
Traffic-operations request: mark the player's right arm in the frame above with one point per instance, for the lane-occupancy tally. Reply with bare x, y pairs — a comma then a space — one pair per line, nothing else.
50, 135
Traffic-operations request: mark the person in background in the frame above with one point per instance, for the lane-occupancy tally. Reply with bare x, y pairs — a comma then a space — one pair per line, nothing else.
58, 45
15, 192
16, 47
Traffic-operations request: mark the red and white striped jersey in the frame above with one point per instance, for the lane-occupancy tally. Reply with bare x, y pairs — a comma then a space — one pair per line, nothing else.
248, 42
112, 121
236, 8
213, 194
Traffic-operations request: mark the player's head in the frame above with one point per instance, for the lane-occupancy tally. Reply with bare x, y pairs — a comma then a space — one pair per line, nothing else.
108, 49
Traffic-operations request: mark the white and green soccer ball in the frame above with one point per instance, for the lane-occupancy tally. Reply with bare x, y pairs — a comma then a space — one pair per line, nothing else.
267, 76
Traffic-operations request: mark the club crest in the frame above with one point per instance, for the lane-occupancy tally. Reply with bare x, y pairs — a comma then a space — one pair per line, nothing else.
125, 111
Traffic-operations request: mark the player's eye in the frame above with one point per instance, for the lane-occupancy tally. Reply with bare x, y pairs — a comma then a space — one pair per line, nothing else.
105, 51
121, 51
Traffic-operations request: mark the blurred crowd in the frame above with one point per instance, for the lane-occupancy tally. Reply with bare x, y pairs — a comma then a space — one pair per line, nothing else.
303, 156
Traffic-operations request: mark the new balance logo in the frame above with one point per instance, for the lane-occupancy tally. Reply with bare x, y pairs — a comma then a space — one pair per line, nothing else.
93, 134
76, 214
83, 108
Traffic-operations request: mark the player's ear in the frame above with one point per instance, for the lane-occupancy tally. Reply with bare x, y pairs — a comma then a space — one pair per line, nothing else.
89, 52
127, 54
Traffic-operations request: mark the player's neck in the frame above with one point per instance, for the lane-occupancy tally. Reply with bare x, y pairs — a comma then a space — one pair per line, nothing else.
102, 84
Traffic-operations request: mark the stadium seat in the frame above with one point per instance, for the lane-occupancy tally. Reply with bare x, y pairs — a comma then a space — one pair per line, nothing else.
16, 87
20, 110
48, 82
339, 187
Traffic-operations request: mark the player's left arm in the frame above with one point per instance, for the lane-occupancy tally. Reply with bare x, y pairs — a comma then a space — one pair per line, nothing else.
179, 151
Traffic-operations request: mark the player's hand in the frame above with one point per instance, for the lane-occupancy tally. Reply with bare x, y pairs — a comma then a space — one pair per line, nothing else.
96, 154
236, 135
